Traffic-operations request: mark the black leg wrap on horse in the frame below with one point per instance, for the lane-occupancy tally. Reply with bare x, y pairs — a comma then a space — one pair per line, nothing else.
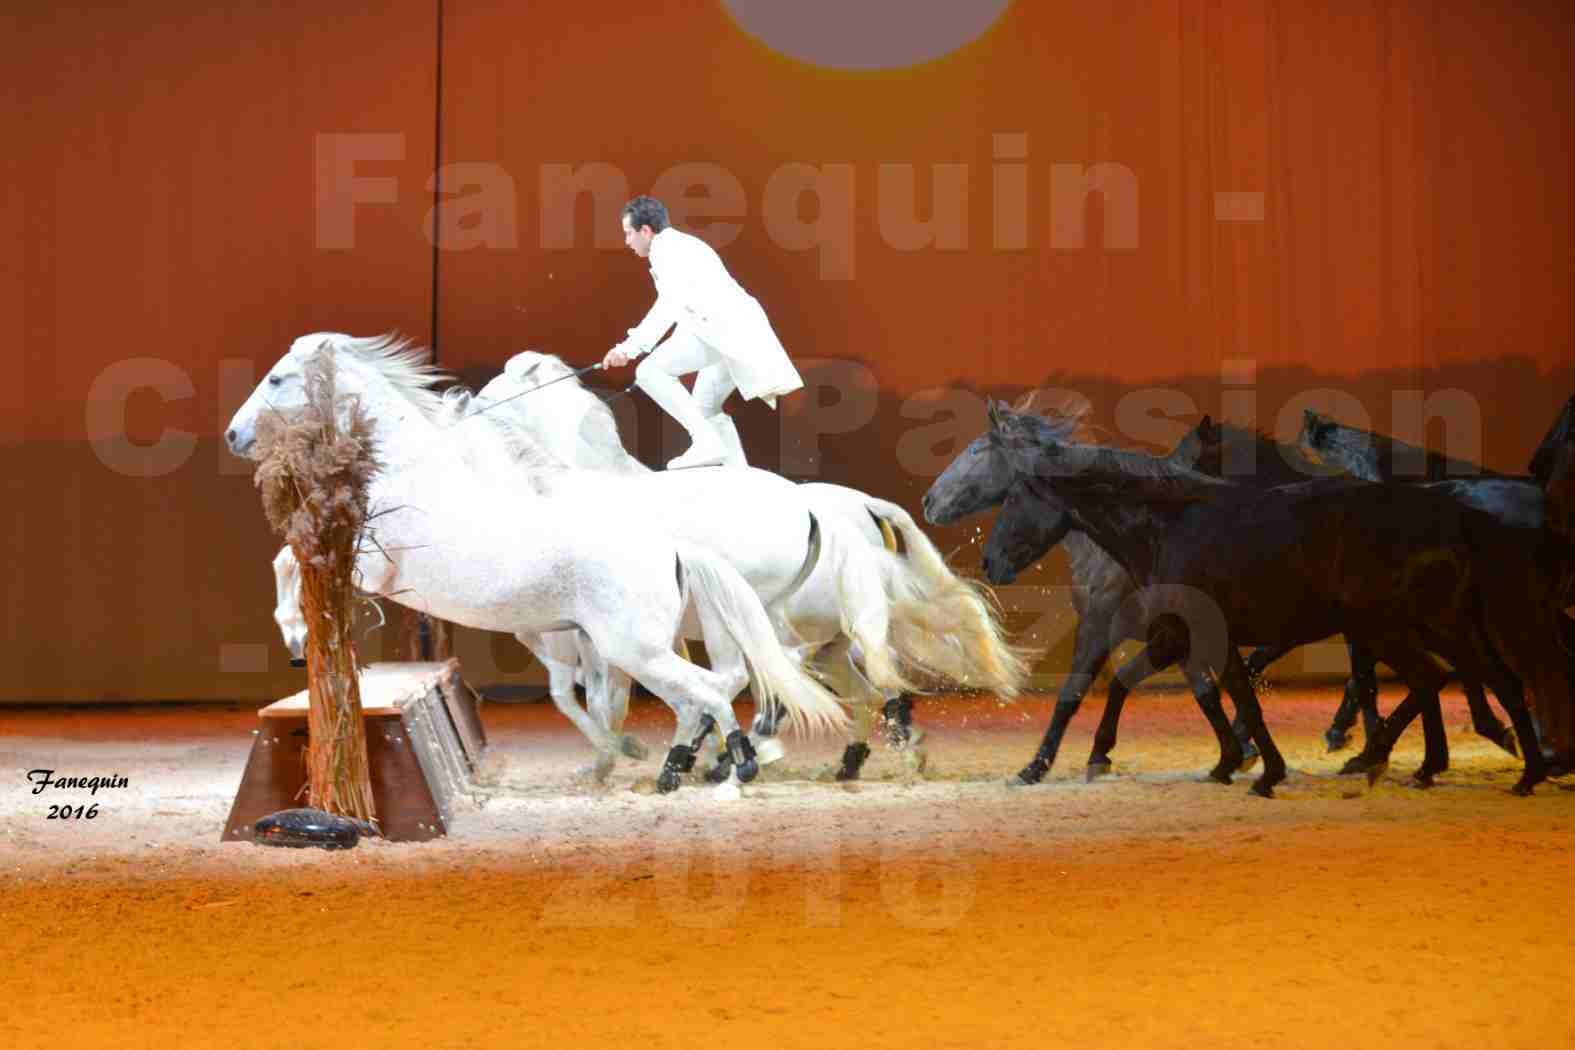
742, 753
707, 723
766, 719
898, 714
680, 760
853, 757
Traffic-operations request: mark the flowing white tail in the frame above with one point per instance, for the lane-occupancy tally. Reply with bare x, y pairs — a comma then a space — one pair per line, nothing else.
712, 582
942, 623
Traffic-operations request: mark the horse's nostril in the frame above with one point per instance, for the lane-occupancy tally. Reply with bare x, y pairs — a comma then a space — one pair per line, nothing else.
229, 435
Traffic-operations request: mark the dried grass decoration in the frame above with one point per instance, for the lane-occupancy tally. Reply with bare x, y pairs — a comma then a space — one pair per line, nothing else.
313, 471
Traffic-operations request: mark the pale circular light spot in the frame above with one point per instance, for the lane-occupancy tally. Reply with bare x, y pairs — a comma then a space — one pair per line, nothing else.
865, 34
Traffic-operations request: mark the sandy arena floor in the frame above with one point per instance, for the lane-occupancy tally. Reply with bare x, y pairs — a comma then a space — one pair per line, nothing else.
1146, 910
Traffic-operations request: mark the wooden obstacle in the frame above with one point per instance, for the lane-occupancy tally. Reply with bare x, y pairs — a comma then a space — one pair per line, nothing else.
423, 741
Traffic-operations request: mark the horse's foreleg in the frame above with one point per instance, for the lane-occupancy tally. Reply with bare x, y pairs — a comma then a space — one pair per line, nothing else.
287, 604
1242, 694
699, 699
557, 652
607, 697
1088, 659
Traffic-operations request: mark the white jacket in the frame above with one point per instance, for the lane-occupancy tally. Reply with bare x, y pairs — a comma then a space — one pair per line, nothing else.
694, 290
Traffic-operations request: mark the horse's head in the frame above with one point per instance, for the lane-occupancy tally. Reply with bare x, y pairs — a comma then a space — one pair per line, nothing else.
980, 475
282, 391
532, 368
1345, 448
1553, 466
1559, 436
1199, 446
1030, 523
360, 365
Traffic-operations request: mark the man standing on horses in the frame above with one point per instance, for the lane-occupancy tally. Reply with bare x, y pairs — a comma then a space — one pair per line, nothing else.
722, 334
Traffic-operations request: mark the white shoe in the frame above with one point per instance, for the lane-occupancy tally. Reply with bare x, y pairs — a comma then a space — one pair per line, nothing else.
710, 453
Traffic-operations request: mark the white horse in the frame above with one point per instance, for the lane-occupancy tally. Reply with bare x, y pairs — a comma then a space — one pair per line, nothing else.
540, 563
937, 621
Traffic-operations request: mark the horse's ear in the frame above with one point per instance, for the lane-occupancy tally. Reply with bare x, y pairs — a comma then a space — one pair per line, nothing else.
516, 369
998, 412
1207, 428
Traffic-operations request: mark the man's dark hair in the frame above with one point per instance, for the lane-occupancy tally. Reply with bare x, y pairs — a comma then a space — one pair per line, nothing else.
646, 211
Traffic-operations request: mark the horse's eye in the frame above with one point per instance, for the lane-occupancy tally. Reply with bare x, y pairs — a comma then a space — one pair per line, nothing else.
275, 380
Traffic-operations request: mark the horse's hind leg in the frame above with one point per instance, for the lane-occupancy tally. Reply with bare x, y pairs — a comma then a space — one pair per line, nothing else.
1258, 661
1246, 700
834, 665
1424, 678
1361, 697
1483, 721
1207, 694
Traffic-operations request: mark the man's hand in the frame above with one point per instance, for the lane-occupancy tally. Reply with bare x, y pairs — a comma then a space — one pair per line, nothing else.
615, 359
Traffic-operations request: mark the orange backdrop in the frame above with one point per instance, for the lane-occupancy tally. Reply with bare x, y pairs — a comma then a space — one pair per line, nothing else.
1299, 205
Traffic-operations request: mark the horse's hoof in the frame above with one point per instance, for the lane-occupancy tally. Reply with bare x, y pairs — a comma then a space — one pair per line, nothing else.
1360, 763
1523, 788
719, 772
1033, 772
633, 747
1421, 779
1335, 740
770, 750
748, 770
1220, 775
1096, 770
668, 781
1262, 789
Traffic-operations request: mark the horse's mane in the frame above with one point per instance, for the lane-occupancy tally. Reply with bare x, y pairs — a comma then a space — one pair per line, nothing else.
408, 368
1064, 418
1092, 464
1274, 461
1386, 449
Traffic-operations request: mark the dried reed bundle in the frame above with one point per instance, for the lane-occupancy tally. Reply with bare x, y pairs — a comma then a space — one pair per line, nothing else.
313, 473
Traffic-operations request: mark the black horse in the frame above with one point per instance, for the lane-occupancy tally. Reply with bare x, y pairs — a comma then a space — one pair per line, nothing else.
1102, 592
1516, 501
1399, 569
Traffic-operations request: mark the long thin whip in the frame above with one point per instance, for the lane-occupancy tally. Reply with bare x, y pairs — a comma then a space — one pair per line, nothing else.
573, 374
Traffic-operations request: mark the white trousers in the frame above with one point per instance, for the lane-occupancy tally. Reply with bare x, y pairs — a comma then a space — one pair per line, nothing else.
682, 354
